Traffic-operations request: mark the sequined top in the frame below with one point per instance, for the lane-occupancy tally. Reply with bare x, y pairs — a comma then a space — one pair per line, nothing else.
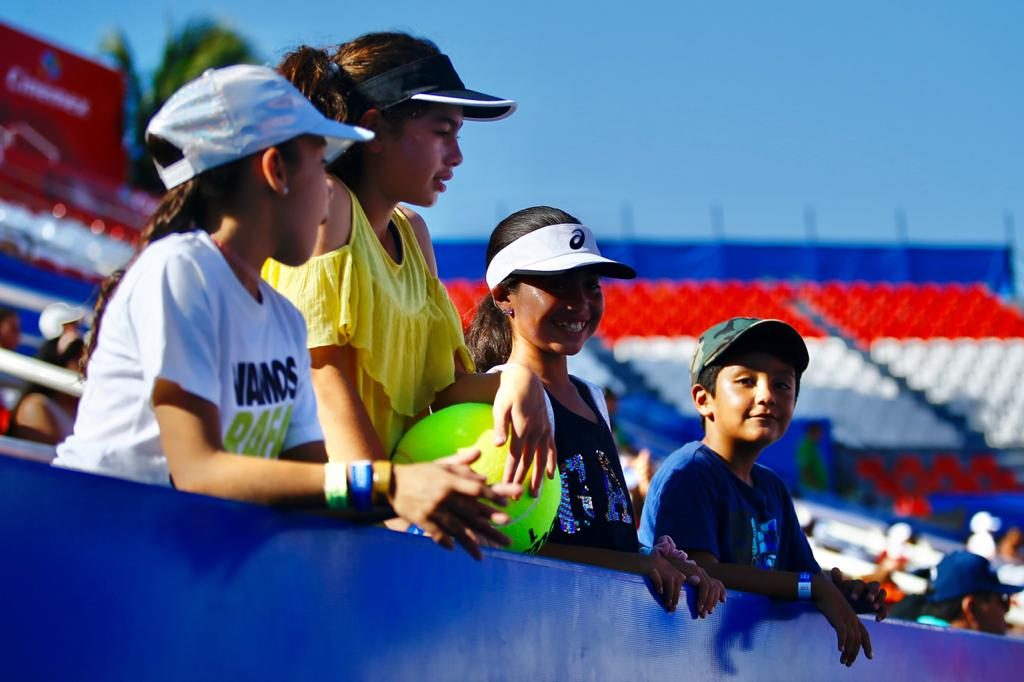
595, 510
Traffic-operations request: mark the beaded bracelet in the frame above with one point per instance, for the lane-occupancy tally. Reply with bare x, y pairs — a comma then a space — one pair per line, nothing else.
360, 483
336, 485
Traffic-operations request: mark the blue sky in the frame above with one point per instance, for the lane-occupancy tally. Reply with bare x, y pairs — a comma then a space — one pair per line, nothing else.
640, 118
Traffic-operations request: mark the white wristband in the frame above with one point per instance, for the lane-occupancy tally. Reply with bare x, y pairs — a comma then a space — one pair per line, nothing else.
803, 586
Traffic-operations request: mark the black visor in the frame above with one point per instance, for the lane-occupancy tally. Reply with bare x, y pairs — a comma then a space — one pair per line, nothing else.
433, 79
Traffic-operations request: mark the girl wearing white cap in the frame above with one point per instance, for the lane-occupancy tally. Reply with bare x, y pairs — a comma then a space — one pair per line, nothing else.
385, 340
198, 374
544, 273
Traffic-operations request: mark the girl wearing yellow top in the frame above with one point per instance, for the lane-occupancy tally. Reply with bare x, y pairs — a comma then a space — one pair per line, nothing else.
385, 340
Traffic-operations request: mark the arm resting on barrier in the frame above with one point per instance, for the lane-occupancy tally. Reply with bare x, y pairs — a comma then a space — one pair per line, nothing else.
850, 631
666, 576
441, 497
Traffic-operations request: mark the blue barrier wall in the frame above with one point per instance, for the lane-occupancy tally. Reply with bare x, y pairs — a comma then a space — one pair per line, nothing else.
28, 276
105, 579
748, 261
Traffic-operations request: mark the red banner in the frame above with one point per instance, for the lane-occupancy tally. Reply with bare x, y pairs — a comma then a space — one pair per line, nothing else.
59, 109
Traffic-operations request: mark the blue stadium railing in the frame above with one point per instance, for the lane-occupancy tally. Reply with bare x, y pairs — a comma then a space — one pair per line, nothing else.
105, 579
749, 261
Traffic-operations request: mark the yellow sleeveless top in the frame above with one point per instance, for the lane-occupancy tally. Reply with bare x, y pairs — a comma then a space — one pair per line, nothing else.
395, 323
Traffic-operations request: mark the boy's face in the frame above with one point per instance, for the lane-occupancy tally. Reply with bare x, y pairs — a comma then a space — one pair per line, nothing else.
755, 396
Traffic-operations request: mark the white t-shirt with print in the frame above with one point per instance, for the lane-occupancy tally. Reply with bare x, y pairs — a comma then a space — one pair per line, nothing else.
181, 314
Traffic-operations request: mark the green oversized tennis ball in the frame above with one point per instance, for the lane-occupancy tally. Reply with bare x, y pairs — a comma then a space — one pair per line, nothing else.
471, 425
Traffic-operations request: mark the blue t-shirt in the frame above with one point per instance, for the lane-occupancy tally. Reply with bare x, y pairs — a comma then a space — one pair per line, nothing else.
697, 500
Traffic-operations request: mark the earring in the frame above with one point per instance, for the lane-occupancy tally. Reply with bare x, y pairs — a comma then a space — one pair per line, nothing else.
285, 191
508, 311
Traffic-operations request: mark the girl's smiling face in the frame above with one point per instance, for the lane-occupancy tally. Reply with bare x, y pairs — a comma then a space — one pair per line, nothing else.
556, 314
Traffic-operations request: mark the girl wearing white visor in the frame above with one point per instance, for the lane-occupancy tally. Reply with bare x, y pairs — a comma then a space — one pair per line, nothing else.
198, 374
544, 273
385, 340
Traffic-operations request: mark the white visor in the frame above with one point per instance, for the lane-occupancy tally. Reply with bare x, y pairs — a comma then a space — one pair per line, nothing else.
551, 250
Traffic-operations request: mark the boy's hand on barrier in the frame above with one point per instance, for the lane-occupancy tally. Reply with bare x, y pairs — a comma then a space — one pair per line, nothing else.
520, 404
666, 580
851, 634
710, 591
863, 597
444, 498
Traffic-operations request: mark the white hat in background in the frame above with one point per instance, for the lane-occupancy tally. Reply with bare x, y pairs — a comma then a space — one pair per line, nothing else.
55, 316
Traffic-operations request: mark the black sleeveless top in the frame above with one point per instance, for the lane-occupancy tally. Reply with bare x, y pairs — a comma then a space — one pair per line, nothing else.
595, 510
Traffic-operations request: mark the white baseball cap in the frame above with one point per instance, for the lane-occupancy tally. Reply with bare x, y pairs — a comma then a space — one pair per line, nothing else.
551, 250
227, 114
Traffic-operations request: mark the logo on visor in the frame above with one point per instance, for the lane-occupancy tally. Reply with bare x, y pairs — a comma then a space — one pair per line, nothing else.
577, 239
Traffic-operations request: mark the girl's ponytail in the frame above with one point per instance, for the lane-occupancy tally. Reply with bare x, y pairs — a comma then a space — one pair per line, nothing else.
329, 78
312, 71
489, 337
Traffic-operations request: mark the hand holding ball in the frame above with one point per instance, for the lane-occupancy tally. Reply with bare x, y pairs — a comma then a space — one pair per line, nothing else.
471, 425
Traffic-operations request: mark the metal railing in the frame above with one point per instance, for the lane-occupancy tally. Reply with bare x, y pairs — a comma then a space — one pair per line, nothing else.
24, 449
42, 373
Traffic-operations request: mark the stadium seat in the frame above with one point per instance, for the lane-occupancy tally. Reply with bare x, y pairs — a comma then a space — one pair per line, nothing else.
945, 472
959, 346
867, 312
909, 473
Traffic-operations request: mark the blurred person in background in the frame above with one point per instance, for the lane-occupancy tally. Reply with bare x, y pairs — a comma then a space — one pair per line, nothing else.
60, 325
637, 465
45, 415
967, 594
893, 558
1008, 550
42, 414
10, 328
811, 462
982, 540
10, 337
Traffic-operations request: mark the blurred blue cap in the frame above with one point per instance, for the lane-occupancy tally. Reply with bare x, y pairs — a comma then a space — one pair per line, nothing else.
961, 573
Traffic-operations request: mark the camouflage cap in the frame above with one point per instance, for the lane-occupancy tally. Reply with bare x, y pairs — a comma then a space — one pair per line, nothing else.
772, 336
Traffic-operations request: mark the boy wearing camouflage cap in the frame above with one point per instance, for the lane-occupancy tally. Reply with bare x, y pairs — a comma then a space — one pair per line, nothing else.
732, 515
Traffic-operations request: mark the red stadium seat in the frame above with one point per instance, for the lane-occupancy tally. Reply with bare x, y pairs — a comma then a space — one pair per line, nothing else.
868, 311
910, 475
863, 311
870, 469
983, 463
945, 472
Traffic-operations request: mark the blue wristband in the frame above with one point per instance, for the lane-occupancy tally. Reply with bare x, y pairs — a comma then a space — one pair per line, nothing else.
803, 586
360, 485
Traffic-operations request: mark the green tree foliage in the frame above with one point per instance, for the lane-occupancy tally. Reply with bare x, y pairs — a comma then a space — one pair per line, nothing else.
200, 44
